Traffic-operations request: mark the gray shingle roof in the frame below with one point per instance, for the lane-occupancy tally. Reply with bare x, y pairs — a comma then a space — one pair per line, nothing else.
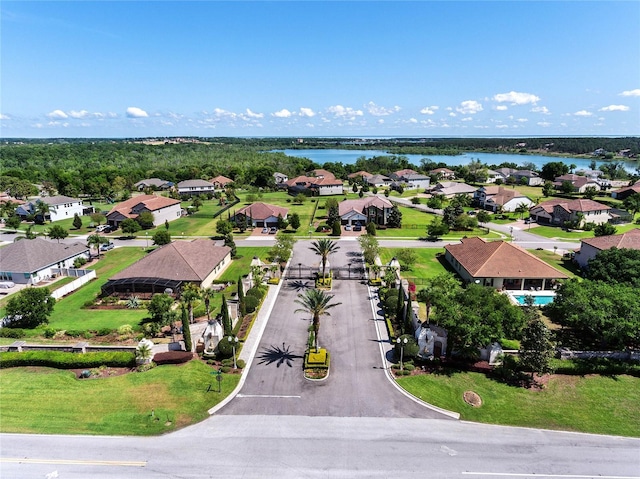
29, 256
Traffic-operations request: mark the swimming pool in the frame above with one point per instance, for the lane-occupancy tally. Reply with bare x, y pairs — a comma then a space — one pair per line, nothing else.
538, 299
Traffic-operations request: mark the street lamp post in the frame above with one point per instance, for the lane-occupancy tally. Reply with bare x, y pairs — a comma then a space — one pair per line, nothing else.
402, 343
234, 341
511, 230
299, 270
349, 266
146, 236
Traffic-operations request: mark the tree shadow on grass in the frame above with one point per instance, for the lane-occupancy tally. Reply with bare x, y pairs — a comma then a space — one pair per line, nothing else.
277, 355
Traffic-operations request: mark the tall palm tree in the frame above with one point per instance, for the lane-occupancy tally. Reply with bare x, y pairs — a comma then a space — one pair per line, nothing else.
324, 247
42, 209
207, 294
317, 303
189, 294
96, 240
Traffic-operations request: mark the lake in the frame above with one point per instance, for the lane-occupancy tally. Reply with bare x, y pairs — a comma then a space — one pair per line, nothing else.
349, 157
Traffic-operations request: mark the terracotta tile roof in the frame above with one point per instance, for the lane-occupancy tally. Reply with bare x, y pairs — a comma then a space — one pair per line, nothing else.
150, 202
28, 256
630, 239
581, 205
635, 187
262, 211
499, 259
500, 195
362, 173
180, 260
223, 180
406, 171
320, 172
360, 204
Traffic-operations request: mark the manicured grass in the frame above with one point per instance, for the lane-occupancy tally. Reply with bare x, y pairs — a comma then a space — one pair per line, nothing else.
593, 404
567, 267
555, 232
426, 266
242, 265
58, 403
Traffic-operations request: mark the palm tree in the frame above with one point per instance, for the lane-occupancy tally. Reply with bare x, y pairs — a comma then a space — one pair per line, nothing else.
207, 294
42, 209
95, 240
189, 294
324, 247
316, 303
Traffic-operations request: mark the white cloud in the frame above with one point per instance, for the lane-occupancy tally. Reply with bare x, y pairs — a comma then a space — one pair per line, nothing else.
615, 108
522, 120
135, 112
412, 120
221, 113
340, 111
502, 126
4, 117
429, 110
57, 114
452, 114
251, 114
516, 98
308, 112
543, 123
469, 107
377, 110
468, 118
79, 114
583, 113
284, 113
541, 109
635, 92
502, 107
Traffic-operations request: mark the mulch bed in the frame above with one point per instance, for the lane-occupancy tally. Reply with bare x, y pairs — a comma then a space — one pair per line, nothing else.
103, 372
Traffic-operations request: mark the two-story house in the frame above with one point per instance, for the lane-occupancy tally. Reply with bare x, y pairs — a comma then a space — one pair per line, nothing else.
559, 211
499, 198
370, 209
60, 208
195, 187
590, 247
162, 208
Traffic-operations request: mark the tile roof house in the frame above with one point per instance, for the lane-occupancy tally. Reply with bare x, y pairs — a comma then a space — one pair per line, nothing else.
219, 182
359, 174
444, 173
623, 193
532, 178
580, 183
496, 198
195, 187
411, 179
172, 266
452, 188
397, 175
557, 211
261, 214
378, 180
31, 261
155, 183
162, 208
501, 265
370, 209
60, 207
590, 247
321, 183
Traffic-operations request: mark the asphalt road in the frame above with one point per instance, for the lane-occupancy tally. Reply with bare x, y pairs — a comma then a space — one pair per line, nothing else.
357, 385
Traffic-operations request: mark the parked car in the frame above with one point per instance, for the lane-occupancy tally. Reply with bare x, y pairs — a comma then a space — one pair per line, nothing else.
101, 228
273, 230
7, 284
107, 246
265, 230
347, 227
357, 228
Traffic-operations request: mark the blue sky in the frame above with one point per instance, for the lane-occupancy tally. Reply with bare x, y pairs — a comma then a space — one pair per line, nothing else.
333, 68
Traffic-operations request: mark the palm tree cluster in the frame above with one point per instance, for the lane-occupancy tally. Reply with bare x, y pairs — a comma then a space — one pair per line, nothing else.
317, 303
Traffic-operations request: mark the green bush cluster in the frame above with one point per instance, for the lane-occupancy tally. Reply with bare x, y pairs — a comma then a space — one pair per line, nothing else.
308, 365
251, 304
64, 360
15, 333
173, 357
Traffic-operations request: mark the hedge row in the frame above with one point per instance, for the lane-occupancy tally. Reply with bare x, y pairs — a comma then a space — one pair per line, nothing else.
64, 360
173, 357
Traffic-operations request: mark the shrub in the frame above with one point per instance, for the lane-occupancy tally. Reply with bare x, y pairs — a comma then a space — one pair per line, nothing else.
273, 281
16, 333
225, 369
251, 303
63, 360
241, 363
125, 329
104, 331
409, 350
79, 261
225, 348
173, 357
257, 292
88, 304
408, 367
392, 333
49, 333
74, 333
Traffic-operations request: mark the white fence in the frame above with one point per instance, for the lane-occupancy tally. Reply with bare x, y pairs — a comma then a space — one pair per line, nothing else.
75, 284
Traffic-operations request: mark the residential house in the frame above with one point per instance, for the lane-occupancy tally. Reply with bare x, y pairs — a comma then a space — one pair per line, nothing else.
379, 181
626, 191
60, 208
559, 211
220, 182
369, 209
580, 183
451, 188
492, 176
590, 247
32, 261
444, 173
499, 198
501, 265
170, 268
280, 178
359, 175
162, 208
531, 178
6, 198
195, 187
260, 214
153, 183
411, 180
398, 175
321, 183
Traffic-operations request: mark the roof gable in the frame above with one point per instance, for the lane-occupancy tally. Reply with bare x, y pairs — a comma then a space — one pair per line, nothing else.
32, 255
630, 239
262, 211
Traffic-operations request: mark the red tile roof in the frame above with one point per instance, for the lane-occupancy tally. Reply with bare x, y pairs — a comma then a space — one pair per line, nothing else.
150, 202
262, 211
630, 239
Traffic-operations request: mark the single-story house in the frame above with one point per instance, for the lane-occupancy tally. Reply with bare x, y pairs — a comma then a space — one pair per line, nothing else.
280, 178
531, 177
580, 183
220, 182
31, 261
6, 198
170, 268
557, 211
260, 214
319, 183
359, 174
378, 181
195, 187
627, 191
154, 183
496, 198
590, 247
60, 208
370, 209
444, 173
413, 180
452, 188
162, 208
501, 265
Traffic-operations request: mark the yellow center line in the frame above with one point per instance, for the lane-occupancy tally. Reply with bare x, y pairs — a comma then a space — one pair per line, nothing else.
89, 462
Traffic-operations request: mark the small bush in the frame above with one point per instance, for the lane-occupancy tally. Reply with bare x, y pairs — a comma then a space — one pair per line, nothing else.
110, 300
49, 332
74, 333
104, 331
257, 292
79, 261
225, 369
64, 360
89, 304
241, 363
251, 303
173, 357
16, 333
409, 367
273, 280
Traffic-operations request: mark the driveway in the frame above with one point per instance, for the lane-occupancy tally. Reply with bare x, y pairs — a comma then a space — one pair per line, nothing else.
357, 386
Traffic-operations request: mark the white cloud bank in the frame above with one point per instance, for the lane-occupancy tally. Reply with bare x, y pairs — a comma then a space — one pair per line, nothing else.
57, 114
308, 112
284, 113
340, 111
614, 108
429, 110
583, 113
377, 110
135, 112
469, 107
635, 92
516, 98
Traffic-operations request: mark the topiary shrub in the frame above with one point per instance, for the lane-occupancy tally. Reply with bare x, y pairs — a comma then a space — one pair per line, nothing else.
251, 303
241, 363
104, 331
173, 357
409, 350
49, 332
225, 348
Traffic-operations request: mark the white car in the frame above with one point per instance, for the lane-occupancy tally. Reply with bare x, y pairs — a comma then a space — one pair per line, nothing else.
7, 284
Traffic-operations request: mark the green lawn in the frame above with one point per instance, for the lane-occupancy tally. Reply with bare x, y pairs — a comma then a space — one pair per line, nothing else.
554, 259
555, 232
426, 266
241, 265
58, 403
593, 404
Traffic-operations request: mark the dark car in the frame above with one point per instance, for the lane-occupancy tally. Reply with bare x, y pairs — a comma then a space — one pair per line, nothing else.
357, 228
